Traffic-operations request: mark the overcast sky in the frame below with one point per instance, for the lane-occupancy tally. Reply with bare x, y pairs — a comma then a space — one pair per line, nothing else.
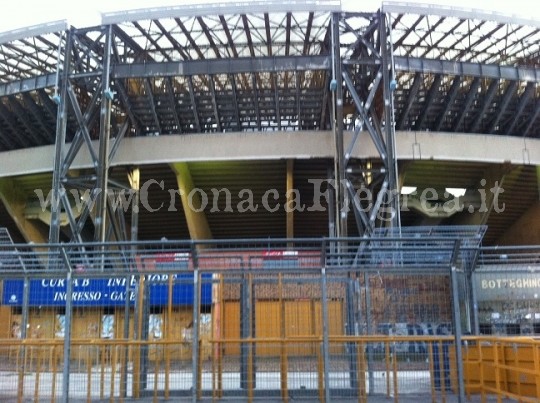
81, 13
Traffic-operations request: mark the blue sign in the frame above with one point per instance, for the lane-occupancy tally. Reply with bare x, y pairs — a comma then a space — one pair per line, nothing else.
108, 291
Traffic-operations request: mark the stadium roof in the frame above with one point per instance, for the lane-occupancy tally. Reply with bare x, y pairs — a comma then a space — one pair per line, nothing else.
265, 66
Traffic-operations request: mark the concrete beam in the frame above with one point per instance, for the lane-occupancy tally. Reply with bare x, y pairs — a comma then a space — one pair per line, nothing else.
522, 232
192, 204
15, 202
285, 145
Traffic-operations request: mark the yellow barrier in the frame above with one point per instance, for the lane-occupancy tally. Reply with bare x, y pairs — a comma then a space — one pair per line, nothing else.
505, 367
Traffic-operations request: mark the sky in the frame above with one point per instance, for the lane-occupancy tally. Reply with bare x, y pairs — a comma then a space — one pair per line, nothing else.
82, 13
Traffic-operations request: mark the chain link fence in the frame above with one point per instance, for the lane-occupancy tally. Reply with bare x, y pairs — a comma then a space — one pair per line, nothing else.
314, 319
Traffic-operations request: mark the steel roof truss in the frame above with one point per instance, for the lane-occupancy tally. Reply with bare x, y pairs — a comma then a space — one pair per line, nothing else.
48, 105
221, 66
448, 101
410, 100
39, 136
268, 39
443, 37
124, 99
139, 52
411, 28
471, 46
298, 100
172, 101
409, 64
527, 94
214, 103
230, 40
276, 98
171, 39
360, 39
255, 89
509, 93
429, 32
194, 104
532, 121
8, 118
152, 104
473, 92
192, 42
486, 99
235, 103
248, 35
152, 41
307, 36
433, 93
89, 53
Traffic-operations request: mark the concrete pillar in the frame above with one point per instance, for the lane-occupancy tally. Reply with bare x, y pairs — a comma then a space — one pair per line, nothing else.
15, 202
192, 203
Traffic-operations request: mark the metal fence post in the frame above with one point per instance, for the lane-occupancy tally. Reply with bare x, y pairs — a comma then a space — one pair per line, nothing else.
67, 331
325, 349
369, 330
457, 334
195, 329
476, 321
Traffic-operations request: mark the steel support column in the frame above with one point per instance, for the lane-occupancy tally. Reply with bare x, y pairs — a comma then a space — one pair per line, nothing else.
337, 125
61, 126
104, 135
389, 128
96, 187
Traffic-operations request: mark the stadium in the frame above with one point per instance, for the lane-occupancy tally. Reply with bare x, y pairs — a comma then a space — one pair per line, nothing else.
271, 201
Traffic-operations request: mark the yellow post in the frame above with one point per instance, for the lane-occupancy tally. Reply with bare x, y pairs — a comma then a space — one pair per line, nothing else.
497, 371
395, 378
89, 374
361, 365
38, 371
219, 344
283, 346
516, 368
388, 359
320, 377
442, 372
21, 363
482, 365
53, 369
431, 372
123, 370
156, 372
169, 334
200, 367
250, 372
137, 347
102, 363
113, 372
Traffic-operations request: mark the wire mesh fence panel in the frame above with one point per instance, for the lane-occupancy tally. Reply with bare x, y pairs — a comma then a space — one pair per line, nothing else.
209, 321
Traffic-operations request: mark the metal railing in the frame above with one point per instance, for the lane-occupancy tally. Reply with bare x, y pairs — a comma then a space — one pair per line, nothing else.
322, 319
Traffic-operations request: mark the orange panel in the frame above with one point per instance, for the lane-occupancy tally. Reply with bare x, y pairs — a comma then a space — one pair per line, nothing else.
231, 327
